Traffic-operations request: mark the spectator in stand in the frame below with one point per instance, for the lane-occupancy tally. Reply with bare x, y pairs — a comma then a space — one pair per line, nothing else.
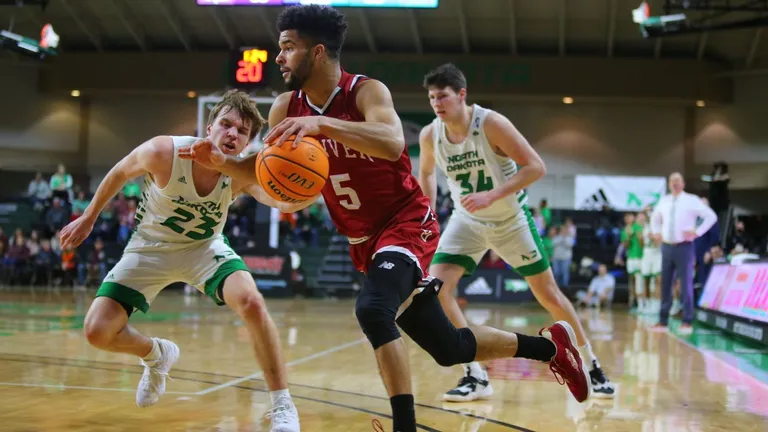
740, 237
61, 184
538, 221
39, 192
17, 258
106, 224
33, 244
69, 266
120, 204
79, 205
546, 242
55, 243
570, 228
546, 213
57, 216
562, 255
307, 225
95, 265
3, 243
45, 262
600, 290
127, 223
607, 228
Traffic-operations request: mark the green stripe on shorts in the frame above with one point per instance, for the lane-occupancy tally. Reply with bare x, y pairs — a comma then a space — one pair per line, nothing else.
224, 270
123, 294
542, 264
463, 260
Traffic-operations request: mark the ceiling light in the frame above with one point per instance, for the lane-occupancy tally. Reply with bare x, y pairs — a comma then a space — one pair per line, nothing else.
75, 93
567, 100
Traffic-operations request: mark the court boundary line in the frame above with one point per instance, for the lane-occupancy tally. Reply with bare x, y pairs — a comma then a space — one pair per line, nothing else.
287, 365
711, 355
70, 387
132, 370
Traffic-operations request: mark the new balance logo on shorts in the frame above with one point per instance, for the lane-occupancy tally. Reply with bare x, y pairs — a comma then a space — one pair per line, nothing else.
387, 265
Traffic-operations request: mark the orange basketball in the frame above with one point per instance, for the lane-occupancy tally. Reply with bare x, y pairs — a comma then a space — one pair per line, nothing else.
293, 175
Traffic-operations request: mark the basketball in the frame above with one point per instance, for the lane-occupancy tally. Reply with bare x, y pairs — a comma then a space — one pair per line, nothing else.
293, 175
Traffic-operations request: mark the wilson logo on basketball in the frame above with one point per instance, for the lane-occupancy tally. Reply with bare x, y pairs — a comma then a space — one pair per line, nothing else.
299, 180
282, 195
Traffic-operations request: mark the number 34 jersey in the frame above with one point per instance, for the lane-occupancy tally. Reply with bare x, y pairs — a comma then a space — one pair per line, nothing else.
176, 214
472, 166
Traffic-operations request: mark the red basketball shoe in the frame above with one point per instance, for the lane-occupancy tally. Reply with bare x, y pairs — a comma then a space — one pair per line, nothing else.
567, 365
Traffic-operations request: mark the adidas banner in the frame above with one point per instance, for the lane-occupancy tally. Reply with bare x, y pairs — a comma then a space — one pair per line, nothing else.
618, 192
494, 286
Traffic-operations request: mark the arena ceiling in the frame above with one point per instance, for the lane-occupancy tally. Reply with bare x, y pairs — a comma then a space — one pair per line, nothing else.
512, 27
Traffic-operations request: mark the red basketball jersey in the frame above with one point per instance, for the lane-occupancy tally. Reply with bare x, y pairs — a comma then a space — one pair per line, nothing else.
363, 193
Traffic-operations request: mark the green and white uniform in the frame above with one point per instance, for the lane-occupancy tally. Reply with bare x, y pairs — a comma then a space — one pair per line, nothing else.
634, 249
177, 239
650, 264
506, 226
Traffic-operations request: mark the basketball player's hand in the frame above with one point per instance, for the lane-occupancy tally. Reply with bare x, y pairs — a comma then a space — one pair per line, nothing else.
204, 152
477, 201
299, 126
75, 232
689, 235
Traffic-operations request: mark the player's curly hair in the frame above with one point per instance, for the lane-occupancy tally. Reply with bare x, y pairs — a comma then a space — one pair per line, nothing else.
446, 75
322, 25
243, 104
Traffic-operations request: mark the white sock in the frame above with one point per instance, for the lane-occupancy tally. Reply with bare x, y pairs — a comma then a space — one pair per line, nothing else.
641, 302
586, 353
154, 353
277, 394
652, 285
475, 370
639, 284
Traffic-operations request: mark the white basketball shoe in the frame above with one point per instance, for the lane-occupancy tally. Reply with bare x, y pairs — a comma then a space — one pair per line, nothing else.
152, 384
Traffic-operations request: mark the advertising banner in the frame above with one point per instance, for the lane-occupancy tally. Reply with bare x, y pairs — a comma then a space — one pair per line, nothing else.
620, 193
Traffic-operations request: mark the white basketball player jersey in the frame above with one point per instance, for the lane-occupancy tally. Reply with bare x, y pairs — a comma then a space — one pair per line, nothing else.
176, 213
648, 243
473, 166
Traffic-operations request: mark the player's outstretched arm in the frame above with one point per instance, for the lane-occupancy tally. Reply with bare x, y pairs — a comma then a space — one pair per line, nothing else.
427, 165
380, 135
503, 135
150, 157
257, 192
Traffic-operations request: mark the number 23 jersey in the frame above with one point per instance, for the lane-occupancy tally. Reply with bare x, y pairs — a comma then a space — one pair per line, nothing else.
472, 166
363, 193
176, 214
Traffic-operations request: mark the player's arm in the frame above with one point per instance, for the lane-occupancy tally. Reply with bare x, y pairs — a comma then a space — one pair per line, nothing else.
257, 192
380, 135
502, 134
427, 179
152, 157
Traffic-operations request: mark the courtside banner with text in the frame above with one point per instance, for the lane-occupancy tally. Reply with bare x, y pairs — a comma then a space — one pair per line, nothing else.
270, 268
620, 193
740, 290
495, 286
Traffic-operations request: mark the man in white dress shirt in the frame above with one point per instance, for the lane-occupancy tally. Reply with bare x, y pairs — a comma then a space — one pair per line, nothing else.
674, 224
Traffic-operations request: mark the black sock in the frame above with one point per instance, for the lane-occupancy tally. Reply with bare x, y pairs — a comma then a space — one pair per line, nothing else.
403, 413
535, 348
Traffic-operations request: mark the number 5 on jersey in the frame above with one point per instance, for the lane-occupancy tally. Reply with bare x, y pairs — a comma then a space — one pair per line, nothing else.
353, 202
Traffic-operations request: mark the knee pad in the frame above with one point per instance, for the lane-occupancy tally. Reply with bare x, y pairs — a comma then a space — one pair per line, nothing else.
376, 316
426, 323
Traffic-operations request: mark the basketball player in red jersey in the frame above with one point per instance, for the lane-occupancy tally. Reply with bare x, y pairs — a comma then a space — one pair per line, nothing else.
375, 201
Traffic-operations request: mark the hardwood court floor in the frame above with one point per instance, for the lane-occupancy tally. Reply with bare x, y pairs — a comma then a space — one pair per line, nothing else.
51, 380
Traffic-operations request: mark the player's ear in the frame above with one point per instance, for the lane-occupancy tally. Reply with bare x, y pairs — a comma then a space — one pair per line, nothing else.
318, 51
463, 95
207, 130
